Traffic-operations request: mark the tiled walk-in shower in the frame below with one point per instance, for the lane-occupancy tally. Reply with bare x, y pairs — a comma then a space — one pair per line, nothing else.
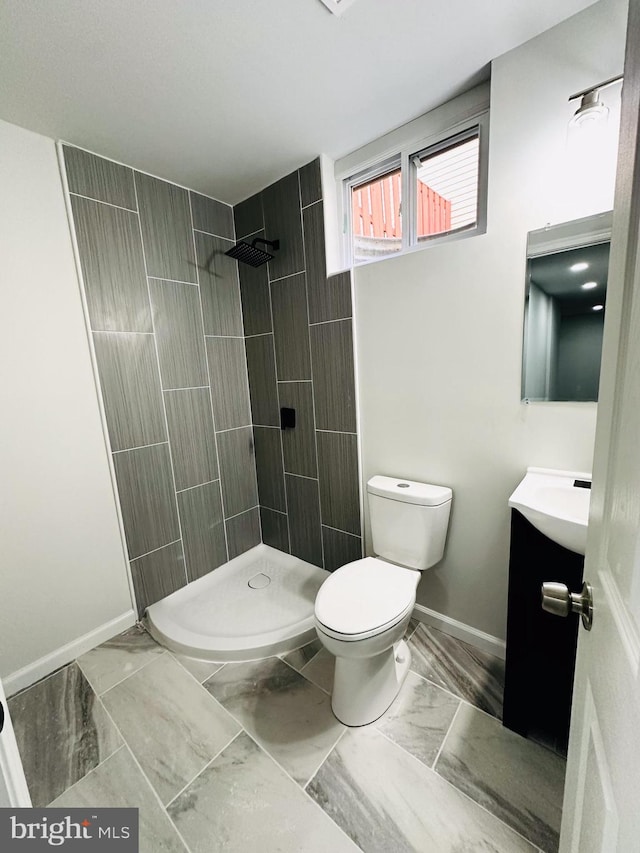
248, 756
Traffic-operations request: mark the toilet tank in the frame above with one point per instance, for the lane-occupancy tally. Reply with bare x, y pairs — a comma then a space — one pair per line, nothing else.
409, 520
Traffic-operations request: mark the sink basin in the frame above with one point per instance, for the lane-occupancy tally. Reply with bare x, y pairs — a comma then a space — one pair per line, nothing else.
555, 506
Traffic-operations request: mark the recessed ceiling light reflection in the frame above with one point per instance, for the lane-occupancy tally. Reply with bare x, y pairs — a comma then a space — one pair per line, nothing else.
589, 285
598, 307
579, 267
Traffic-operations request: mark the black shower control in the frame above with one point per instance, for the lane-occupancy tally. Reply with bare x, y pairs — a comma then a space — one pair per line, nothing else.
582, 484
287, 418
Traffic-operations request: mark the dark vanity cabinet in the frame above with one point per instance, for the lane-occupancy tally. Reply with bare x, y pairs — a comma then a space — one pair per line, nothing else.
541, 647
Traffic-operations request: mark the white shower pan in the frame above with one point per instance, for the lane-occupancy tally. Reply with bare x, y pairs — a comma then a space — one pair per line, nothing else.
258, 604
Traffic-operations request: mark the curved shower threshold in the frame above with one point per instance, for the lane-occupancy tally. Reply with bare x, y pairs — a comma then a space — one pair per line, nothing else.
256, 605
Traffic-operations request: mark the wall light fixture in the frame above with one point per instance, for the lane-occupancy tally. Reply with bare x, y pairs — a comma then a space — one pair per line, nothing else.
591, 108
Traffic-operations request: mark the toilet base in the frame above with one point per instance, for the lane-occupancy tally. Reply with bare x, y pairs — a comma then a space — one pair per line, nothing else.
364, 688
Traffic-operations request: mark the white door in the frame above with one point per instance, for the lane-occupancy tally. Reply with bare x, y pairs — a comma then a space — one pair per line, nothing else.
13, 785
602, 791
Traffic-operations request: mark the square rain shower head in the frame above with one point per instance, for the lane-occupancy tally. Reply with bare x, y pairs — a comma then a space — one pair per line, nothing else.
250, 254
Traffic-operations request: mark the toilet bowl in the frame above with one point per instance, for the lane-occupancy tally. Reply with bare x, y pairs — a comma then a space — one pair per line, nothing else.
362, 610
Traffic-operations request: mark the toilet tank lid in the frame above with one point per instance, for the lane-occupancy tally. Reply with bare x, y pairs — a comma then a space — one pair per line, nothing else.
409, 491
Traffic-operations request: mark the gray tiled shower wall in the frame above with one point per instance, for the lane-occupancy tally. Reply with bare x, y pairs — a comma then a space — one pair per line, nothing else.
299, 344
189, 426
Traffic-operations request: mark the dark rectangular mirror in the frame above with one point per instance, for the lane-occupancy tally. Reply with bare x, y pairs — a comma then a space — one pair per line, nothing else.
566, 286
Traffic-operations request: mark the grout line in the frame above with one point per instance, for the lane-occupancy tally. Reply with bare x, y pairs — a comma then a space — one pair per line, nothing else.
459, 791
99, 398
244, 512
140, 447
151, 660
266, 426
198, 486
355, 536
164, 404
133, 559
317, 770
42, 680
337, 432
302, 477
116, 332
65, 143
308, 677
311, 203
190, 388
122, 746
144, 775
293, 381
313, 395
326, 322
280, 512
233, 337
275, 364
333, 746
291, 275
206, 359
413, 630
254, 738
173, 280
302, 788
200, 772
439, 686
444, 739
258, 335
211, 233
480, 806
232, 429
264, 750
106, 203
220, 665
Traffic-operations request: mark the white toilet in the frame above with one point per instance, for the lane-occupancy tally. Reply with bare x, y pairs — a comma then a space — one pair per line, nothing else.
364, 607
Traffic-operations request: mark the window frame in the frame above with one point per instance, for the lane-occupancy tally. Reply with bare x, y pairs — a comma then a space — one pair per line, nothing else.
404, 158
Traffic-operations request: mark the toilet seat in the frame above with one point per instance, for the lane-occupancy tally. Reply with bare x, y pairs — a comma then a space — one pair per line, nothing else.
365, 598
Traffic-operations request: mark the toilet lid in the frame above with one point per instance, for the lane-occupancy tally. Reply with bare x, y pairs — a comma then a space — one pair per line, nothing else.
365, 595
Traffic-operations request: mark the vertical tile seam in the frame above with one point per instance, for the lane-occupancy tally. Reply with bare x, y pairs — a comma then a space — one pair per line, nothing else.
313, 392
206, 358
275, 367
94, 369
164, 405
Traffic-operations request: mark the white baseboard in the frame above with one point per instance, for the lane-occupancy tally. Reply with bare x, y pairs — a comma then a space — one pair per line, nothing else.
65, 654
482, 641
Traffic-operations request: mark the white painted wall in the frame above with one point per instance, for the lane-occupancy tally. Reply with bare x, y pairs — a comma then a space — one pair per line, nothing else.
440, 330
64, 573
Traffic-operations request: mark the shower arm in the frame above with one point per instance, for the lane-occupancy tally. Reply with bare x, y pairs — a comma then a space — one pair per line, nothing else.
274, 244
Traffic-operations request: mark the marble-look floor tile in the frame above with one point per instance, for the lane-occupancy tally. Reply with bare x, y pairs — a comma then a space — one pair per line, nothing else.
200, 669
419, 718
466, 671
118, 658
386, 800
63, 732
243, 801
300, 657
118, 783
519, 781
286, 714
170, 723
320, 670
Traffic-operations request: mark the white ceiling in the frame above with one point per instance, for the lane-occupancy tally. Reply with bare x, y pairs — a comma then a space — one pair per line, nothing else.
225, 96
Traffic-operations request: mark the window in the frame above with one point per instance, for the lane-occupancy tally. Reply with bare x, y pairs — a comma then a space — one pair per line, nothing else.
425, 193
376, 216
447, 186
